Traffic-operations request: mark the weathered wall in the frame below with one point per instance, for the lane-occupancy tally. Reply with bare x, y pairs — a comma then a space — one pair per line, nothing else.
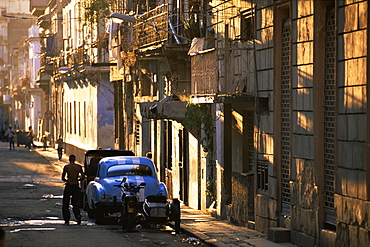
88, 115
352, 207
194, 172
105, 113
304, 193
87, 120
237, 211
265, 216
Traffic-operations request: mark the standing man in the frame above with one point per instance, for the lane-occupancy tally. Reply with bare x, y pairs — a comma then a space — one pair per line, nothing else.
30, 136
60, 147
10, 134
72, 188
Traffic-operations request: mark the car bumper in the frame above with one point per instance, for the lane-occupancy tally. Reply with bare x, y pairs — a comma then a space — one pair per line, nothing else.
109, 206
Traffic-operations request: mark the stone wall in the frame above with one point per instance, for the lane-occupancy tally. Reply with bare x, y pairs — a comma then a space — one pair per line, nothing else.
238, 211
352, 207
353, 216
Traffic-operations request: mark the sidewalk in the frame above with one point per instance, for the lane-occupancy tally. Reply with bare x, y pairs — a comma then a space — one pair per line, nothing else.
201, 226
220, 233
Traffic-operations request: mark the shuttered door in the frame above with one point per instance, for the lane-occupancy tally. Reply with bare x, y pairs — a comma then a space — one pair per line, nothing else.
329, 122
285, 117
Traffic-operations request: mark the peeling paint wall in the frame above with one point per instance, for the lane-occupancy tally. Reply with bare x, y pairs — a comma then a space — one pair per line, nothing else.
105, 113
88, 115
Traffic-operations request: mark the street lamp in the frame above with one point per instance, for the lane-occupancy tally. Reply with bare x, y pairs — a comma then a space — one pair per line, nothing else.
64, 70
119, 18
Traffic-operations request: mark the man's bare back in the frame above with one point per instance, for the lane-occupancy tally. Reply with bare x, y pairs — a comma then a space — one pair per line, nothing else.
72, 171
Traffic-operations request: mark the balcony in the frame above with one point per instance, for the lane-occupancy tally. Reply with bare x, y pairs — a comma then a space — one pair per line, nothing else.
204, 74
38, 7
80, 57
46, 63
77, 57
161, 17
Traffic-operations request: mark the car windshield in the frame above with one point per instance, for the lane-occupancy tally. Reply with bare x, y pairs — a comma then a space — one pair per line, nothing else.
127, 170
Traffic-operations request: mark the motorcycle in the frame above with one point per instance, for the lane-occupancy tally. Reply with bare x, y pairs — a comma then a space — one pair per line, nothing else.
130, 200
154, 209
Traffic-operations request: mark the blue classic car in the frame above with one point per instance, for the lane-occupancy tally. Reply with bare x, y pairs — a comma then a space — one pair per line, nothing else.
103, 197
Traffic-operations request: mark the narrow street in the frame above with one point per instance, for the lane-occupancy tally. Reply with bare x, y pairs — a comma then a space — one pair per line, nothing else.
31, 211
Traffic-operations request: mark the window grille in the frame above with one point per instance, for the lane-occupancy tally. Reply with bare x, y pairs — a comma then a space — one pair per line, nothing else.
137, 132
329, 121
262, 176
285, 114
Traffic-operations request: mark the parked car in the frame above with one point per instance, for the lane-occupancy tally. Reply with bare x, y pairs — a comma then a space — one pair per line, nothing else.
103, 194
92, 158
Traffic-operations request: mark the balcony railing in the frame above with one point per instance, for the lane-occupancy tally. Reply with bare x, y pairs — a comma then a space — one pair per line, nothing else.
204, 74
80, 57
163, 18
46, 63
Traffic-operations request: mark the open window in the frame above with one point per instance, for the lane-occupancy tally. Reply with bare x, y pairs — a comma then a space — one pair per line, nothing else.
247, 25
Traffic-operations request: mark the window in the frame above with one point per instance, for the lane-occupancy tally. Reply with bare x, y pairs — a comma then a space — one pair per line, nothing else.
74, 117
262, 176
285, 116
247, 28
79, 118
85, 120
329, 121
70, 118
129, 170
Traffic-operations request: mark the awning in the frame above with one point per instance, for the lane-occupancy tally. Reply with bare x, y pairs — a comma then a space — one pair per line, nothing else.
168, 108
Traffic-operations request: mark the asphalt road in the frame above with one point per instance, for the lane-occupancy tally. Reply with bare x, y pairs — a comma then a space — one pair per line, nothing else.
31, 213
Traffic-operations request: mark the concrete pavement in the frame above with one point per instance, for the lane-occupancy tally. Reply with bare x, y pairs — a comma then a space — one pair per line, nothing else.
201, 226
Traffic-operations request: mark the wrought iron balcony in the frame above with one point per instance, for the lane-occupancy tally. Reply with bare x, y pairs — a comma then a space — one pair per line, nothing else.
163, 18
46, 63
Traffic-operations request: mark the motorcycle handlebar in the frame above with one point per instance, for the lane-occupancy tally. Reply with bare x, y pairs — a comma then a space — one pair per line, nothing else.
126, 185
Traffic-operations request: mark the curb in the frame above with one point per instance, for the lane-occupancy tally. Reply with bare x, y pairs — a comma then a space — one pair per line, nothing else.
192, 234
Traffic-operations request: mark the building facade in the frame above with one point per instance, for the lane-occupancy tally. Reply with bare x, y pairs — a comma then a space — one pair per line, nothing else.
21, 99
75, 75
256, 111
282, 84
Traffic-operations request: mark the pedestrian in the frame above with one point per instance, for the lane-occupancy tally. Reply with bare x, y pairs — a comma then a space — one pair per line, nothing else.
45, 142
72, 189
2, 134
10, 134
60, 147
30, 136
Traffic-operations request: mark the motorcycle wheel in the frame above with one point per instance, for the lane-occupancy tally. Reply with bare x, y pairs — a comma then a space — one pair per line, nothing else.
130, 222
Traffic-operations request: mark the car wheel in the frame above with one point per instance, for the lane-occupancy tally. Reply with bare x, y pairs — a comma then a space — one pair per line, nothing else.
176, 214
85, 204
99, 216
90, 213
